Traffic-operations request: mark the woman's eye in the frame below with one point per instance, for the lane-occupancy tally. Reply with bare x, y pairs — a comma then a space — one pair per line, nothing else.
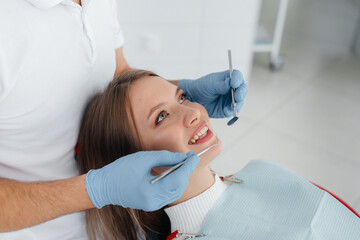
182, 98
161, 117
164, 114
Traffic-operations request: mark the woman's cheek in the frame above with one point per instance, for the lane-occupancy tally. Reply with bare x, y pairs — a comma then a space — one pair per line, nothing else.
170, 139
158, 170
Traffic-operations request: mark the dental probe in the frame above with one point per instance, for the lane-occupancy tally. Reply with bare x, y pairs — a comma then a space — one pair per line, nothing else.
235, 118
170, 170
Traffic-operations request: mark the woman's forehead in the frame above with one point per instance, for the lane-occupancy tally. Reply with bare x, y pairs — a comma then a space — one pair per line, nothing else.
150, 87
148, 92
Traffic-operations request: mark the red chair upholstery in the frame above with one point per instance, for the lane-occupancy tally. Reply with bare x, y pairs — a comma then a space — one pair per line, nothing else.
339, 199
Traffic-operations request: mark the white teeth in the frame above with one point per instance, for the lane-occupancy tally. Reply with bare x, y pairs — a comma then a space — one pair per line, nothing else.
202, 131
201, 134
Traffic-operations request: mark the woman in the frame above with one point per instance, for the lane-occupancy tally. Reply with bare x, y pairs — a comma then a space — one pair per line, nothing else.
110, 129
140, 111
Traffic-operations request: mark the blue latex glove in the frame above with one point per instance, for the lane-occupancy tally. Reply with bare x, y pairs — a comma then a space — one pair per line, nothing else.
126, 181
213, 91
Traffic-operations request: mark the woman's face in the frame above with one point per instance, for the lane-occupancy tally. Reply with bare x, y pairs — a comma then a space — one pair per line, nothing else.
166, 120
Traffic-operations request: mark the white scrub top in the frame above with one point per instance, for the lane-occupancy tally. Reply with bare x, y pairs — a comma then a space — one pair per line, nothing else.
54, 55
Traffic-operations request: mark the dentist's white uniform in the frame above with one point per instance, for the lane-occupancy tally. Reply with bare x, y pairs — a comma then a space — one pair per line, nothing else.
53, 55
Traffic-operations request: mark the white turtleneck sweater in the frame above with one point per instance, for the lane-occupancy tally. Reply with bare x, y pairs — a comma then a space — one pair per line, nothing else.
188, 216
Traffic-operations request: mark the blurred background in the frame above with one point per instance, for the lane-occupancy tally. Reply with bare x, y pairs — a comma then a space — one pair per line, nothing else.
299, 61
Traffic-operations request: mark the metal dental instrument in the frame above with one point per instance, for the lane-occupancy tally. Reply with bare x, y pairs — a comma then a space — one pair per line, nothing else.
231, 179
170, 170
235, 118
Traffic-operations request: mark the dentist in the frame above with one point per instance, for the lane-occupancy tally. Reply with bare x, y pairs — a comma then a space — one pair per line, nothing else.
54, 55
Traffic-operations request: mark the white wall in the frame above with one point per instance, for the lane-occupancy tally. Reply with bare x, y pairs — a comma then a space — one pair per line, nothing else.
332, 22
187, 39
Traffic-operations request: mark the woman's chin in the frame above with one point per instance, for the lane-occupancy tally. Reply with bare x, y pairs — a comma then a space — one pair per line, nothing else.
210, 155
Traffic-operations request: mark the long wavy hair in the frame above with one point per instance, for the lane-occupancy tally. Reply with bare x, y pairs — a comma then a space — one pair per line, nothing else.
105, 135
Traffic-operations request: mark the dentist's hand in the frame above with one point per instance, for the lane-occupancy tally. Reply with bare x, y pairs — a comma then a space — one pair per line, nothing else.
126, 181
213, 91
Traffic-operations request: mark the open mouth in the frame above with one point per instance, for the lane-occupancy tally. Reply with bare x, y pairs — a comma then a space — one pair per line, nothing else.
201, 134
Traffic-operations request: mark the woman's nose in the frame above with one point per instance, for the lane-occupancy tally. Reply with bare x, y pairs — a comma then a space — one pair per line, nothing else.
191, 116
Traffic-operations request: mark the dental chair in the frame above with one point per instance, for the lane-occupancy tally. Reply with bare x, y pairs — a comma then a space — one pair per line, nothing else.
339, 199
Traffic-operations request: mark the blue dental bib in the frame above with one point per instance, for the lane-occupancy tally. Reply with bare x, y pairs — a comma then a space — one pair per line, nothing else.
275, 204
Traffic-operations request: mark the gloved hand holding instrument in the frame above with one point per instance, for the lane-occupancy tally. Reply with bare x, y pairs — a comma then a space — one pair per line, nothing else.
213, 91
126, 181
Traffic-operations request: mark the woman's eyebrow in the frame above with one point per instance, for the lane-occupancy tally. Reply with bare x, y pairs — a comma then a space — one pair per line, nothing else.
178, 89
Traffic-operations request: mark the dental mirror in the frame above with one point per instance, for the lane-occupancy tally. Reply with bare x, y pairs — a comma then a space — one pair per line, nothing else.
235, 118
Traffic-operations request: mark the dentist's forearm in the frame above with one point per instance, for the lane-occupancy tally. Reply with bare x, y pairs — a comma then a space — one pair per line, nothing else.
24, 204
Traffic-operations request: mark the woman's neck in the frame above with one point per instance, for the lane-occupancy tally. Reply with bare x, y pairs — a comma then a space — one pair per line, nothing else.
201, 180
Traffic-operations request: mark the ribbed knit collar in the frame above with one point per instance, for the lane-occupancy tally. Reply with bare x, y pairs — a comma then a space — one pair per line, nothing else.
188, 216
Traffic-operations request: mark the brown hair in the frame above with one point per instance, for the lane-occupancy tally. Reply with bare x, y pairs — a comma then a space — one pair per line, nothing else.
106, 135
